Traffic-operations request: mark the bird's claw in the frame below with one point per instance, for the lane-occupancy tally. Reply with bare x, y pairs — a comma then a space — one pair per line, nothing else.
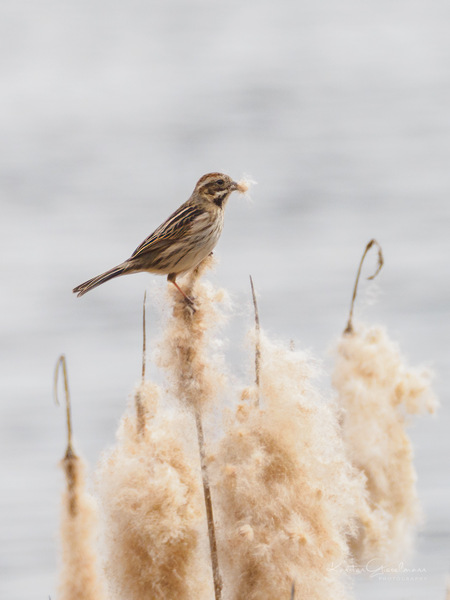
190, 302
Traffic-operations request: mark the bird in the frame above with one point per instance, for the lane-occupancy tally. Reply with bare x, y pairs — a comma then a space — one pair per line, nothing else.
180, 243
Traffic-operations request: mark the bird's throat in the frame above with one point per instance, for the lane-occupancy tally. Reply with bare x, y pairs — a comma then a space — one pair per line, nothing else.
219, 200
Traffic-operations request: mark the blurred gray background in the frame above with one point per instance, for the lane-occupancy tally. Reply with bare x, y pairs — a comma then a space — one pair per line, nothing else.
110, 112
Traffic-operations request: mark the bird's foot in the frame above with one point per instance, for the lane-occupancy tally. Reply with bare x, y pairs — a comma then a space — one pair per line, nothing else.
190, 303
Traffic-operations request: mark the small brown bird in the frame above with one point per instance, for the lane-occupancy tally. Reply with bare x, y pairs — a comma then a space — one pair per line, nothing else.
183, 240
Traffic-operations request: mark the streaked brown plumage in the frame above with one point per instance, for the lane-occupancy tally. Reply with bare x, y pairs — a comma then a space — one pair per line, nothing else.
183, 240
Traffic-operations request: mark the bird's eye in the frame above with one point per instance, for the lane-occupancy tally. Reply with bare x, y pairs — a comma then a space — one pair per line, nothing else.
220, 182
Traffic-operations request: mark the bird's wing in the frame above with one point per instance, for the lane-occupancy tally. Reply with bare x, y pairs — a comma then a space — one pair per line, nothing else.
173, 229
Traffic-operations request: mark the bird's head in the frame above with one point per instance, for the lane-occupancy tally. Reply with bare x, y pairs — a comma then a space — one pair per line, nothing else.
216, 187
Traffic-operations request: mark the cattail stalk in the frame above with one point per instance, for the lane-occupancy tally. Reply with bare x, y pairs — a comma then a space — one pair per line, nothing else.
80, 578
193, 376
257, 341
349, 328
139, 403
150, 499
217, 579
377, 391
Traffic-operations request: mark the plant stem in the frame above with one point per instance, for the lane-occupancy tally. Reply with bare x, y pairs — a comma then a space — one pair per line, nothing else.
144, 338
140, 412
257, 342
209, 508
70, 459
349, 328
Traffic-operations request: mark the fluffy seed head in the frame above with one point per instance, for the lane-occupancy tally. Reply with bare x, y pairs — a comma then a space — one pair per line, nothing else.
378, 392
285, 500
151, 508
80, 576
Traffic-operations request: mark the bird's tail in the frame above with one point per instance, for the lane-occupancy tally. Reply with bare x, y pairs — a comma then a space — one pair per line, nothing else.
96, 281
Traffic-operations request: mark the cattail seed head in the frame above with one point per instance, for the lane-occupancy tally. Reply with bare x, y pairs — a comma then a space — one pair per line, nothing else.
151, 507
285, 489
377, 392
80, 576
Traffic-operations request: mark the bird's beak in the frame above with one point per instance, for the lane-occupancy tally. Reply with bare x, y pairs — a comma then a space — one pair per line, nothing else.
234, 186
